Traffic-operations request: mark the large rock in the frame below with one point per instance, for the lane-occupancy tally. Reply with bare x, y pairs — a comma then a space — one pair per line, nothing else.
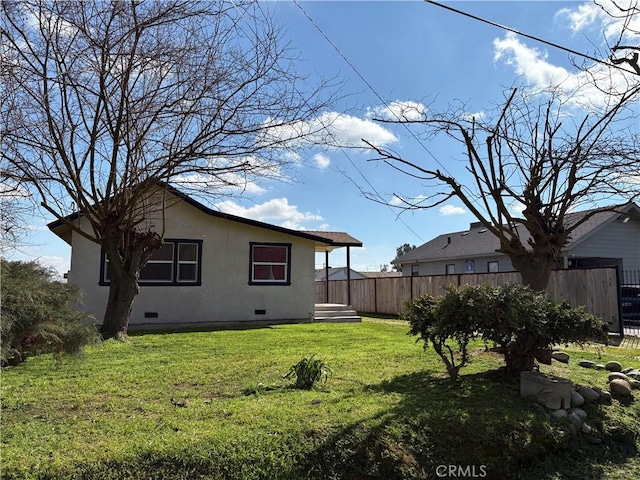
635, 384
560, 357
552, 392
575, 419
577, 400
587, 363
613, 366
560, 413
620, 387
581, 413
618, 375
634, 374
589, 394
627, 370
605, 396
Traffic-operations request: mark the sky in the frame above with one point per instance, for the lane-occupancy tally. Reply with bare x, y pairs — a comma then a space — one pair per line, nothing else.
394, 58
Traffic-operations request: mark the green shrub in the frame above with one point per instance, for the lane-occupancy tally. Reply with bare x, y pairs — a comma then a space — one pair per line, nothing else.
449, 322
308, 372
38, 314
523, 325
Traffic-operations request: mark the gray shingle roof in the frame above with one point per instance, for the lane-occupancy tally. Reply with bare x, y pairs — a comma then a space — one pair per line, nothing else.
478, 241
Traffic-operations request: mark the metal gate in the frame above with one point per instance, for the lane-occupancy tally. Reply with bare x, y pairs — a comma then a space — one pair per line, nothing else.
630, 302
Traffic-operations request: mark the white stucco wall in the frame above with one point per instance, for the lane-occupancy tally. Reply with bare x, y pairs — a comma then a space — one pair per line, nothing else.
225, 295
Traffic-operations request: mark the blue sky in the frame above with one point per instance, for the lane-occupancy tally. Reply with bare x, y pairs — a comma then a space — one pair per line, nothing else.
411, 53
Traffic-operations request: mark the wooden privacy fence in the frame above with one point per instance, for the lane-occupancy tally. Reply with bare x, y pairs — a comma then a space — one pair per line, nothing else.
596, 289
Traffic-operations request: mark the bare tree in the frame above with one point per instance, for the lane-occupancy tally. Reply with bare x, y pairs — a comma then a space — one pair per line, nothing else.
15, 207
106, 103
528, 168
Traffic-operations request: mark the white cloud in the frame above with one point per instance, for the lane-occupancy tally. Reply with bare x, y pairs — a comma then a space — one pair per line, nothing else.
474, 116
576, 88
603, 16
225, 183
516, 209
276, 210
329, 129
321, 160
451, 210
398, 111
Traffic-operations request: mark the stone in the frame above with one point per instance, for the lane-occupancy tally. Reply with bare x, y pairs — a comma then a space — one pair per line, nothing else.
581, 413
587, 429
575, 419
586, 363
635, 384
620, 375
634, 374
589, 394
627, 370
599, 366
560, 413
552, 392
577, 400
560, 357
620, 387
605, 396
613, 366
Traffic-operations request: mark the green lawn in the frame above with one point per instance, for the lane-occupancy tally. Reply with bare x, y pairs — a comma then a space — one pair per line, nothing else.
387, 412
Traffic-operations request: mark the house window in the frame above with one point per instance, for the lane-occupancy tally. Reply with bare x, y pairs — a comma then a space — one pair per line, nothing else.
450, 269
270, 264
492, 267
177, 262
415, 270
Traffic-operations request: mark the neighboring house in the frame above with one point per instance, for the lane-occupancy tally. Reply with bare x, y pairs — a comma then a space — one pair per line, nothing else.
605, 239
381, 274
337, 273
340, 273
213, 269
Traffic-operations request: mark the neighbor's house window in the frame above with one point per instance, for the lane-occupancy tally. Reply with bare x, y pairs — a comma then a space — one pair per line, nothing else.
176, 263
492, 267
450, 269
270, 264
415, 270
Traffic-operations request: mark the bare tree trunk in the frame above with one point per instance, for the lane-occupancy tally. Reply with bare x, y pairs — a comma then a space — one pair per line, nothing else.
535, 273
127, 254
122, 292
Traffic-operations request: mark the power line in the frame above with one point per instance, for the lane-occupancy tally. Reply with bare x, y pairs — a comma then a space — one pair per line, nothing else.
382, 101
532, 37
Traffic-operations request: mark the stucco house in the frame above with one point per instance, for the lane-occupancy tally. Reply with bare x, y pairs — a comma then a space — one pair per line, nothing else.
214, 269
608, 238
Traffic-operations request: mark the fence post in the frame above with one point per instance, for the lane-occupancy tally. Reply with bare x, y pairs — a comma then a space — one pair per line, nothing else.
619, 290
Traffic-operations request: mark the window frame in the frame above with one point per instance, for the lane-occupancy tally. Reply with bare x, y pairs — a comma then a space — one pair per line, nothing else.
453, 269
493, 262
175, 266
287, 270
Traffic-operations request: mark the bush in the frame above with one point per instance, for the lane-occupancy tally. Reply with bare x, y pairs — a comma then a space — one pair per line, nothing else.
448, 323
523, 325
308, 372
38, 314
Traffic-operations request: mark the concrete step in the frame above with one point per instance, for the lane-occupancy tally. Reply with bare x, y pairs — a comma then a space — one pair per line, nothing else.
351, 319
335, 312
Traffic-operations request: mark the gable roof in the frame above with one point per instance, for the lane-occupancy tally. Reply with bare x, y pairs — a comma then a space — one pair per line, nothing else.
323, 240
479, 242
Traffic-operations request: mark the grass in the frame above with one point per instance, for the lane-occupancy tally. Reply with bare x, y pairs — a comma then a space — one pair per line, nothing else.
174, 406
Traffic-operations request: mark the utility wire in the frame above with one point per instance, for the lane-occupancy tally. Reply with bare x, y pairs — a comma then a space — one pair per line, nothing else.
364, 80
532, 37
